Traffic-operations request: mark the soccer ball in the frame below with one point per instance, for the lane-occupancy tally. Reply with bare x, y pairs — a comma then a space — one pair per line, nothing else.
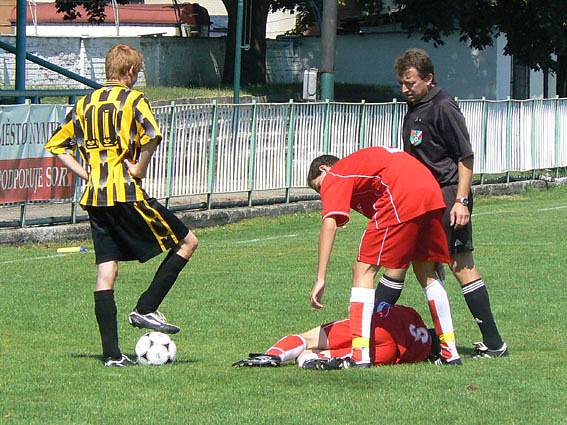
155, 348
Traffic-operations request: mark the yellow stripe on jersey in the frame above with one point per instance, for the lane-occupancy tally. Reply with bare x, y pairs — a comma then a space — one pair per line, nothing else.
108, 126
159, 227
447, 337
360, 342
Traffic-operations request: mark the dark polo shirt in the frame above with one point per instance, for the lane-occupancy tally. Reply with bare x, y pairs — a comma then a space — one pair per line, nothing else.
434, 131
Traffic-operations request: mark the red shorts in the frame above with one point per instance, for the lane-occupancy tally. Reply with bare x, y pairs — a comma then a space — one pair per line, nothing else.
420, 239
399, 336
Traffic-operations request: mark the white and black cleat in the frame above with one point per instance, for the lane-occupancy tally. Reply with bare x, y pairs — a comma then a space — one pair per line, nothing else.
155, 321
481, 351
123, 361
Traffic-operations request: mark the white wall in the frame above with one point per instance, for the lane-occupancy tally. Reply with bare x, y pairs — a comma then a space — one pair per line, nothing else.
84, 56
102, 30
360, 59
369, 59
279, 23
174, 61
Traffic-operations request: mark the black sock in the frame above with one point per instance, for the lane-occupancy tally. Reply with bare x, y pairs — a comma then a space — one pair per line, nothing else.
476, 296
105, 312
164, 279
388, 290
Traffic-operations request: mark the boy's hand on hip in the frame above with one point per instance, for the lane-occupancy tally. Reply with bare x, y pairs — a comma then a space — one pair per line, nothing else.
133, 169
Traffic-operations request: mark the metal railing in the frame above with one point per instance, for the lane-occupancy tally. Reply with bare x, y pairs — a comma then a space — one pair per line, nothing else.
218, 148
237, 148
35, 95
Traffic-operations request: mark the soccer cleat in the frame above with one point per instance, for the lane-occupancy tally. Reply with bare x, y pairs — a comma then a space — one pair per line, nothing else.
441, 361
124, 361
258, 360
154, 320
315, 364
336, 363
481, 351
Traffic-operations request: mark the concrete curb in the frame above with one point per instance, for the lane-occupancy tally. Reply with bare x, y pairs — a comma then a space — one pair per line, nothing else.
219, 217
513, 188
193, 220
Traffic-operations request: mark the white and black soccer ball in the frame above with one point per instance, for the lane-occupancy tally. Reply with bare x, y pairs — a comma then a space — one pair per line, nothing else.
155, 348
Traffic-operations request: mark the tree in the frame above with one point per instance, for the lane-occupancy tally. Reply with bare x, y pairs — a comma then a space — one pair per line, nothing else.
535, 30
93, 8
254, 58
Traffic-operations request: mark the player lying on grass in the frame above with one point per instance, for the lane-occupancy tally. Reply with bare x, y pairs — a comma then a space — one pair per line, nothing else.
398, 336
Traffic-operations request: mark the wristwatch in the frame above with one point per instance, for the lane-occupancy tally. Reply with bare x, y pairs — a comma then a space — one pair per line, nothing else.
464, 201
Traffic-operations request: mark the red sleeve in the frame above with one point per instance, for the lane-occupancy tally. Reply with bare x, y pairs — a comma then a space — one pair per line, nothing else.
385, 350
336, 194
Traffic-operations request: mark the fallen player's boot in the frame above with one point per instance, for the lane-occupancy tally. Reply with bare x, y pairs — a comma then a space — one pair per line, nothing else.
315, 364
258, 360
442, 361
336, 363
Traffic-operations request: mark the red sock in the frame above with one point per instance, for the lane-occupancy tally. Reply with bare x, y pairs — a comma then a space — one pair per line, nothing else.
288, 348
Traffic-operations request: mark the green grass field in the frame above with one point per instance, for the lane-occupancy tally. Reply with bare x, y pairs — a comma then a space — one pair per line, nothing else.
248, 285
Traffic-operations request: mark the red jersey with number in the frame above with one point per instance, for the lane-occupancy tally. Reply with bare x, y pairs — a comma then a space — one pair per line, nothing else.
386, 185
398, 336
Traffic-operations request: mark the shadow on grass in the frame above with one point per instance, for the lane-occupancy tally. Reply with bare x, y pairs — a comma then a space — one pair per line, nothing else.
130, 355
465, 351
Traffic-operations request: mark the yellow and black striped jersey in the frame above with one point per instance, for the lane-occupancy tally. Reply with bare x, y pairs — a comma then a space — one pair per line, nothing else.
107, 126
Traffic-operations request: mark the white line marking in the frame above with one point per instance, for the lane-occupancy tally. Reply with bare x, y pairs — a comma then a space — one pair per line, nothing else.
271, 238
46, 257
513, 243
553, 208
513, 211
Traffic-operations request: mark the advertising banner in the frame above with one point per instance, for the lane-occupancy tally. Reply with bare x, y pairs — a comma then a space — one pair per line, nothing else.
27, 171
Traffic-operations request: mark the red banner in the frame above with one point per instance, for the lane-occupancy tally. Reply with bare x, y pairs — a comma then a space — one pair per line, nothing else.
34, 179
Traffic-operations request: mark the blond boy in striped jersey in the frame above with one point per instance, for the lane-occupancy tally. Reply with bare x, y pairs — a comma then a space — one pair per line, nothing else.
116, 134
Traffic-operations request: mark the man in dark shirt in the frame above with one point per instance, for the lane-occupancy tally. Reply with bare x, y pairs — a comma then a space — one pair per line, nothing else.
434, 131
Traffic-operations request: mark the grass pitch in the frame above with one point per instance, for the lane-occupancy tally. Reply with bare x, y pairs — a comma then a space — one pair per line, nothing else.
247, 285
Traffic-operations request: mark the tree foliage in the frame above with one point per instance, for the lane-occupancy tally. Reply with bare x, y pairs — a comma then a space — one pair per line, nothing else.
93, 8
535, 30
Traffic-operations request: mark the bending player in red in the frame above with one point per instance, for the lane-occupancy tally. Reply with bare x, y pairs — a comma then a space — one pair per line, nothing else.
398, 336
404, 205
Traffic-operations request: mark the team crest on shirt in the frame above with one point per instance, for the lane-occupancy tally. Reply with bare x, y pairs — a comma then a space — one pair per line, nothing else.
416, 137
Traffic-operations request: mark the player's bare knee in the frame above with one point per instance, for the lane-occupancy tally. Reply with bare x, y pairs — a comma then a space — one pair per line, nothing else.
315, 338
106, 275
188, 245
363, 268
464, 267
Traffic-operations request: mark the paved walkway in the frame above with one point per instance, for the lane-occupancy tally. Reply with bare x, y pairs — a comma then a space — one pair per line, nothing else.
49, 222
228, 208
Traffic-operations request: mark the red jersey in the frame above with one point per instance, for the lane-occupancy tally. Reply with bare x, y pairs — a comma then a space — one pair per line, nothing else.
398, 336
386, 185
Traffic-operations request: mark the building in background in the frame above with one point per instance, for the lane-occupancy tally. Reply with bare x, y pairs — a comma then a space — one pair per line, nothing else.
139, 17
129, 20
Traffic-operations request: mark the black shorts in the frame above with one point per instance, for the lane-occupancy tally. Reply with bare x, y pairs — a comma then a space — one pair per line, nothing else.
460, 240
134, 230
